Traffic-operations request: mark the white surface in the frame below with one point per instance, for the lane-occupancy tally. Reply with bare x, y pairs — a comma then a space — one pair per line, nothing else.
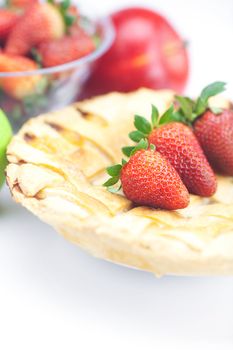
55, 296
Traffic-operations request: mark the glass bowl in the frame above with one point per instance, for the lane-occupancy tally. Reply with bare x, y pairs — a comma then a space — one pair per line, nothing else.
54, 87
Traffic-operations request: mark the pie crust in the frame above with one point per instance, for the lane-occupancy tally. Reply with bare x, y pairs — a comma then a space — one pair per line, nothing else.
56, 169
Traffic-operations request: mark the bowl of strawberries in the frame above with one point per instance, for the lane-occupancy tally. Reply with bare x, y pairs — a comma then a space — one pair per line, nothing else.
48, 50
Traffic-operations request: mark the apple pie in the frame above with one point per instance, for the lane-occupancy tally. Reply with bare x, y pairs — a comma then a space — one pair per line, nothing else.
57, 165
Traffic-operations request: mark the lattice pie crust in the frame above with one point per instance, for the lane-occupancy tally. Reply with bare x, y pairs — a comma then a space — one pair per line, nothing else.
57, 165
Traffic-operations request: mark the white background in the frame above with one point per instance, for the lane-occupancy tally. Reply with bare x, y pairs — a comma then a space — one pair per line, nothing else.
55, 296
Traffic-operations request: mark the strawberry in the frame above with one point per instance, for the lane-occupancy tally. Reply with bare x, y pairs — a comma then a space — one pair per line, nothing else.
73, 11
179, 145
19, 87
212, 126
66, 49
20, 4
40, 22
149, 179
215, 134
7, 21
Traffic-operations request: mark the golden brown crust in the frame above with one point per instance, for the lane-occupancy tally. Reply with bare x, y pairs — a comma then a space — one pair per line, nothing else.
57, 165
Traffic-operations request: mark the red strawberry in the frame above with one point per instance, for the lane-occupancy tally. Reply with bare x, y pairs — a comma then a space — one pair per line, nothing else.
67, 49
212, 126
73, 11
19, 87
40, 22
20, 4
215, 134
179, 145
7, 21
149, 179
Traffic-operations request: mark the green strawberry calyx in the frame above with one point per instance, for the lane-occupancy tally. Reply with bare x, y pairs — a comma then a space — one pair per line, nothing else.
114, 171
144, 127
189, 110
63, 7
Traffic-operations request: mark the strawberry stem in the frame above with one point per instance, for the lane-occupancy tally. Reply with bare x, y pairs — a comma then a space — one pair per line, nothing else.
144, 127
190, 110
209, 91
127, 150
154, 116
142, 124
167, 117
142, 144
64, 7
114, 171
136, 135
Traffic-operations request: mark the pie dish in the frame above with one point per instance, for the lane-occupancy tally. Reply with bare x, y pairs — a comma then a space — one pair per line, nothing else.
56, 168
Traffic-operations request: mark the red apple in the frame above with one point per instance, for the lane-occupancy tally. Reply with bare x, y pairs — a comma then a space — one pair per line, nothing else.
147, 51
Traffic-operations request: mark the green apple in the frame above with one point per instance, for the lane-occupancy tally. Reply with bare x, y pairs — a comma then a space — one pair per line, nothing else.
5, 137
